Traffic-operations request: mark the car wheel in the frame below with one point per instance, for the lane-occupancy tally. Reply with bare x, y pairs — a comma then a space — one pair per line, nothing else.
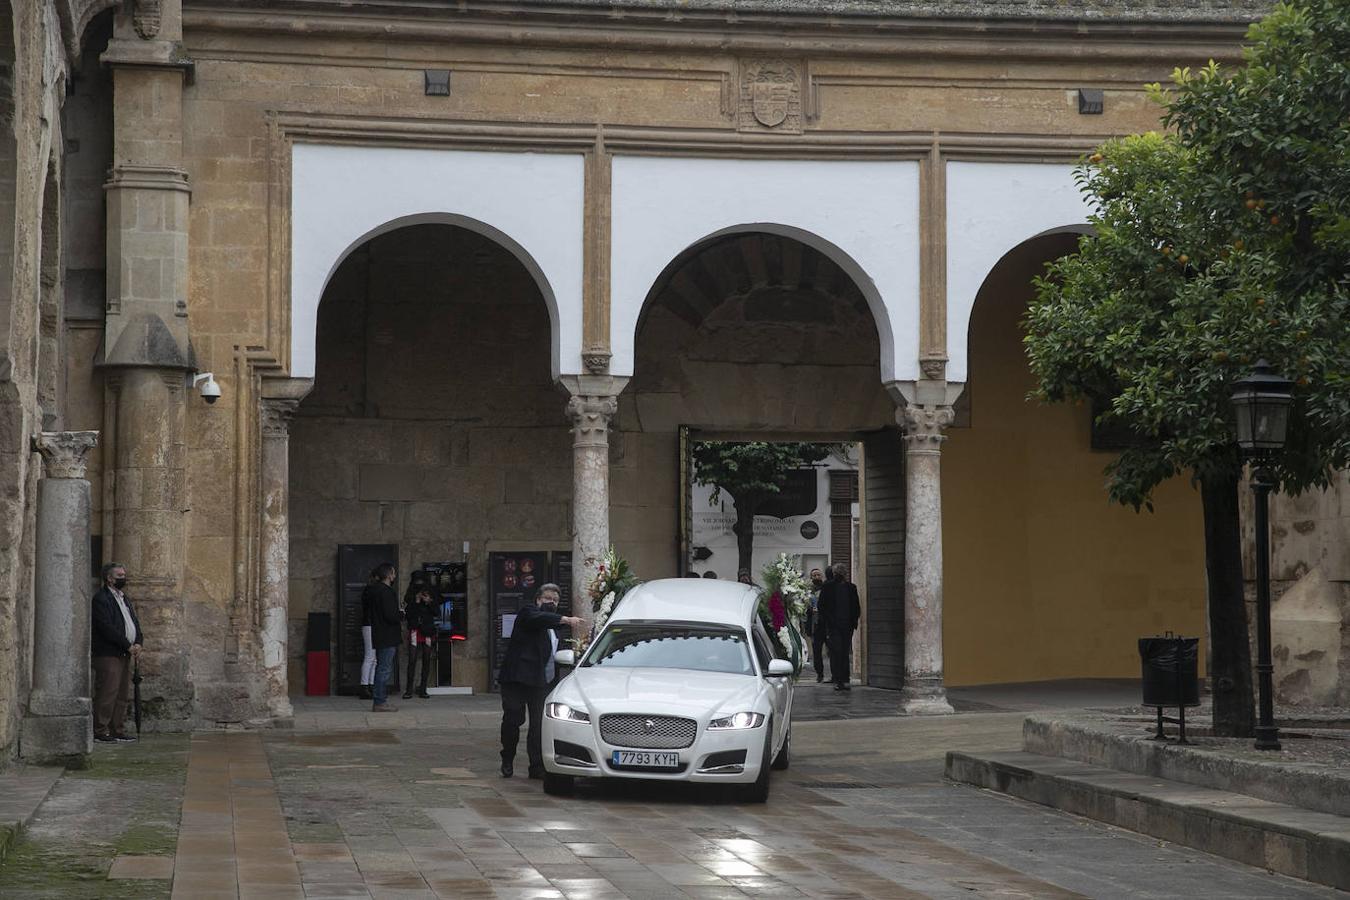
758, 792
558, 784
784, 757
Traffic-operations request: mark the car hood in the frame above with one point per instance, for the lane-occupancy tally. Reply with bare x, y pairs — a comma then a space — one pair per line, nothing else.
683, 691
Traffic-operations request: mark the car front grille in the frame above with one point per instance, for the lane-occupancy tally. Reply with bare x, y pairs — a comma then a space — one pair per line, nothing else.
648, 732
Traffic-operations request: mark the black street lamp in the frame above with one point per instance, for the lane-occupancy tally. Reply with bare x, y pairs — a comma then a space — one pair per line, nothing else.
1261, 406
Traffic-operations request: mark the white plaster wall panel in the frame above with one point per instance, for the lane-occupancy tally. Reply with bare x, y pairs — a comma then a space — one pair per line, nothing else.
863, 215
991, 208
531, 203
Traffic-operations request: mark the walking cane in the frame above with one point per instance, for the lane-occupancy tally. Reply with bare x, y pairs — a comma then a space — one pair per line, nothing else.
136, 695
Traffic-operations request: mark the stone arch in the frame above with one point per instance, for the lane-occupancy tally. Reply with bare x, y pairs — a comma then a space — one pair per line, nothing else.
863, 215
529, 203
993, 208
861, 280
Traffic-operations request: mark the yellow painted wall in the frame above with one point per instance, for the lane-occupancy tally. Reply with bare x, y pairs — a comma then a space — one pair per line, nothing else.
1046, 579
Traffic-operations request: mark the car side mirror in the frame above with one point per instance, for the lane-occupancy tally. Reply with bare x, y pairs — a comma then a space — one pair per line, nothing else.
565, 657
779, 668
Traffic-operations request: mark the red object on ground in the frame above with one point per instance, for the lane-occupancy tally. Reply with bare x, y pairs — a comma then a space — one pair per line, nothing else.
316, 673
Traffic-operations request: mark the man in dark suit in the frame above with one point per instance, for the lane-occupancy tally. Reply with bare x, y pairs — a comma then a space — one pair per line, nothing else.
386, 633
526, 675
114, 641
840, 611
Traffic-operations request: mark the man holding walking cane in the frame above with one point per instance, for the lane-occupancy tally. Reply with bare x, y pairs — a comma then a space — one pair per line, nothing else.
115, 641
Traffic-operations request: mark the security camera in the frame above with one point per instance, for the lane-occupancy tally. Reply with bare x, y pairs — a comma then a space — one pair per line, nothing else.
210, 391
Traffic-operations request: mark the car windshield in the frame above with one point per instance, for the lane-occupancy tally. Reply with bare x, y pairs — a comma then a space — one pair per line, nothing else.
672, 645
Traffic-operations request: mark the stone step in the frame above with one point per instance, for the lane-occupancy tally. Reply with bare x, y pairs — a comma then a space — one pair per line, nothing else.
1270, 776
22, 790
1290, 840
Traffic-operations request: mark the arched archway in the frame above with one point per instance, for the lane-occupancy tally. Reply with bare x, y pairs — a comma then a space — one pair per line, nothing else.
530, 203
1043, 577
434, 422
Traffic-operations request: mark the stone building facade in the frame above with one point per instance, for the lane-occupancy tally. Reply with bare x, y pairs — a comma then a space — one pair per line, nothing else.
463, 273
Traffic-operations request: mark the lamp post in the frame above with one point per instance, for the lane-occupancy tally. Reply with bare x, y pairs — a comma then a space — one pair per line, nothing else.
1261, 409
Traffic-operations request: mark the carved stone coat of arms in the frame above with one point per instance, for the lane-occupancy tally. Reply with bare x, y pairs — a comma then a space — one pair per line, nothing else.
770, 96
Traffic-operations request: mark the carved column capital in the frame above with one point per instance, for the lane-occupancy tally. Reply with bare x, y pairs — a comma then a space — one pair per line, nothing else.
591, 415
64, 451
925, 426
277, 415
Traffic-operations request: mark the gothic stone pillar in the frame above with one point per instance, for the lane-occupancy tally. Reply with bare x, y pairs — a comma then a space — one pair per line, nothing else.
923, 692
595, 400
59, 728
281, 398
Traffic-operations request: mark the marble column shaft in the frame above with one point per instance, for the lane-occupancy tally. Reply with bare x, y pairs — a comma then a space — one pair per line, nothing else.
59, 727
275, 548
590, 415
923, 692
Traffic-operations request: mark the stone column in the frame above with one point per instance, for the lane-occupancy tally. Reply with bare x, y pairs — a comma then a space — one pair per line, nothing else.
59, 728
281, 397
923, 692
593, 404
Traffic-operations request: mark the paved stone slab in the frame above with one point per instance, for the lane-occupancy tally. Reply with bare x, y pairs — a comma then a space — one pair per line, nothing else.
22, 790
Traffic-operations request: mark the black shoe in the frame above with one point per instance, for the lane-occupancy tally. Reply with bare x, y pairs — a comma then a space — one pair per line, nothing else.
846, 686
364, 693
124, 739
508, 769
407, 695
424, 695
838, 687
537, 774
819, 679
105, 738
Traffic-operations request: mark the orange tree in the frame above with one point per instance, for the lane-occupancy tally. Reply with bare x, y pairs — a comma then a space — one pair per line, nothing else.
1224, 241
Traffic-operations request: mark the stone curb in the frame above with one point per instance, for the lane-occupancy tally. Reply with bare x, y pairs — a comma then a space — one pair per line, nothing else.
1300, 843
21, 793
1306, 785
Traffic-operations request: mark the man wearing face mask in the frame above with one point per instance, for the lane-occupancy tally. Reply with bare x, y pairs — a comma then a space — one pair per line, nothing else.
115, 641
527, 675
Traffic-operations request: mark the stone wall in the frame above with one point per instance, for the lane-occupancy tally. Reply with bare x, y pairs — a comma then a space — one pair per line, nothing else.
32, 86
1310, 590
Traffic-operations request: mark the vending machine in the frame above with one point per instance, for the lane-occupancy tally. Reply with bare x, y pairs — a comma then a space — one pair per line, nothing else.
449, 580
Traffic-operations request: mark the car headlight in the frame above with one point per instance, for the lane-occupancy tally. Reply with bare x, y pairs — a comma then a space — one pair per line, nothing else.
738, 720
569, 713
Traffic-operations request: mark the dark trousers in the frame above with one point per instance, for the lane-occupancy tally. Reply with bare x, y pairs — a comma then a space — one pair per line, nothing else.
818, 640
423, 652
112, 687
517, 700
841, 644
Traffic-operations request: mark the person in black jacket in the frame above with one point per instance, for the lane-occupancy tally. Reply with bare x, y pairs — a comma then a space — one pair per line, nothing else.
840, 611
386, 632
816, 628
527, 674
419, 610
114, 641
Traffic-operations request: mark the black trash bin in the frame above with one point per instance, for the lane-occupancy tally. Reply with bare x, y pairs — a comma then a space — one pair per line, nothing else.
1171, 670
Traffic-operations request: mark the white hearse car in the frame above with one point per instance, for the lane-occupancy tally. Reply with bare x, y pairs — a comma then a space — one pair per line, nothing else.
681, 684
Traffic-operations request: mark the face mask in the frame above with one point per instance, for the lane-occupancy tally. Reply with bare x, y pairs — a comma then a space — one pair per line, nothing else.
548, 606
120, 583
817, 582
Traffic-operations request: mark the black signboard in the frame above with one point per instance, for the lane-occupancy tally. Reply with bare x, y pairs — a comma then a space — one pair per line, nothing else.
513, 579
355, 562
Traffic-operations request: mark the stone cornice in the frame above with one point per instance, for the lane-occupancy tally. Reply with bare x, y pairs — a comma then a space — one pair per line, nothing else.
908, 31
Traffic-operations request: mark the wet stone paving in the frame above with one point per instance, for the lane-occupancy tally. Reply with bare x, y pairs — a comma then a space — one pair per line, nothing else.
410, 804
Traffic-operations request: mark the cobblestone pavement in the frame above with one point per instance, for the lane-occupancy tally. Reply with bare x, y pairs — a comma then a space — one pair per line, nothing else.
411, 805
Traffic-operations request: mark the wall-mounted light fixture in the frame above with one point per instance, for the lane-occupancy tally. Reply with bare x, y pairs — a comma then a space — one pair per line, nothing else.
1091, 101
437, 82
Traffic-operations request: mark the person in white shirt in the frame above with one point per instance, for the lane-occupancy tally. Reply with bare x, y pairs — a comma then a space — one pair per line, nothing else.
115, 642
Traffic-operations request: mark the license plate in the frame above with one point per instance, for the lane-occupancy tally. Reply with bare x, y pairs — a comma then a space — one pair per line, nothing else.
645, 759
